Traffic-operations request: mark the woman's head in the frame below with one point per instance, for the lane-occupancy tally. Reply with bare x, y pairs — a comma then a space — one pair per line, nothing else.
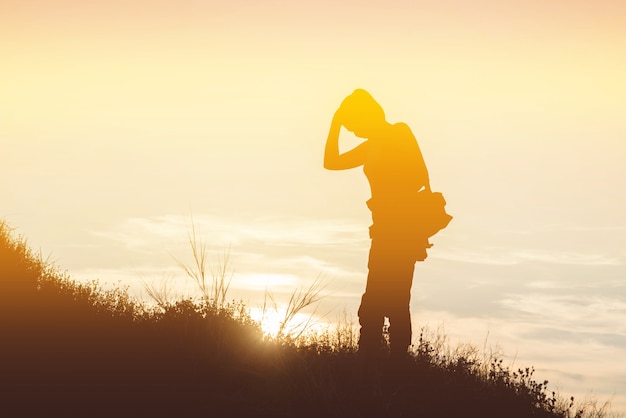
361, 114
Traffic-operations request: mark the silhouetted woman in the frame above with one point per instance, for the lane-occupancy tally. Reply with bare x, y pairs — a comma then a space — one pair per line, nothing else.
395, 169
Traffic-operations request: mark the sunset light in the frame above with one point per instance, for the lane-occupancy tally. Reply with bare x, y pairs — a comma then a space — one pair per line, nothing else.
125, 123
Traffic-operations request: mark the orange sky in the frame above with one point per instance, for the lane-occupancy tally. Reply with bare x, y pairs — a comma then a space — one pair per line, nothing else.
120, 118
248, 90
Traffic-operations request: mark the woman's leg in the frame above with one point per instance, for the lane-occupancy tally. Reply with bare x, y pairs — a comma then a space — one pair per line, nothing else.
387, 294
398, 309
371, 312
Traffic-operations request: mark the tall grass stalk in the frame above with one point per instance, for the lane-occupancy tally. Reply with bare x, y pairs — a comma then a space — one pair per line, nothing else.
299, 300
222, 275
213, 292
161, 294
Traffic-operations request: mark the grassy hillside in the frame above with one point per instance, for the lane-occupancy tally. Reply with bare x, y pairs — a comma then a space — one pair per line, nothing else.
79, 350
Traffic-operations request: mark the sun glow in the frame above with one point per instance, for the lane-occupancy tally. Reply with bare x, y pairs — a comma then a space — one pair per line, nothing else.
275, 322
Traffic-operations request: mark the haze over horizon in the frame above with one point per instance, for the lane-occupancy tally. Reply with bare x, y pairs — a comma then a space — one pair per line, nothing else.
122, 121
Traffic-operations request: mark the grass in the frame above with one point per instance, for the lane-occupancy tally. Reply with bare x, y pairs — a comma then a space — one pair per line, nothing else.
213, 293
80, 350
288, 326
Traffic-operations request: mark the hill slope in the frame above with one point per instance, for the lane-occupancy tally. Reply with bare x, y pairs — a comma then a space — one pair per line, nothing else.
79, 350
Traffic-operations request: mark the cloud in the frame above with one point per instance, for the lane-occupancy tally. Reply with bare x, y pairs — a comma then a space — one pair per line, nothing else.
280, 254
138, 233
509, 256
264, 245
600, 318
555, 305
263, 281
565, 257
142, 234
552, 244
475, 257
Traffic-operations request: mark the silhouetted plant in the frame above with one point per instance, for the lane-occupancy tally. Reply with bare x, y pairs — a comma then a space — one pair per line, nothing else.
162, 294
105, 348
299, 300
213, 293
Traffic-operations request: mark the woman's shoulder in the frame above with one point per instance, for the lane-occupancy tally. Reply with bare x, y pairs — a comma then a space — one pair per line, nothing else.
403, 133
402, 128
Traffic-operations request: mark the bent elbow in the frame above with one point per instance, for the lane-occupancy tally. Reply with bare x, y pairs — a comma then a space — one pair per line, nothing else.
330, 166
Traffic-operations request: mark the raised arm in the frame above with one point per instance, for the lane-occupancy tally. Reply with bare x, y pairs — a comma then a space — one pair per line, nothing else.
350, 159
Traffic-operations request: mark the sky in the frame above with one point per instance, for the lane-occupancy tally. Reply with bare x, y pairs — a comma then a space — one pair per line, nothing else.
122, 123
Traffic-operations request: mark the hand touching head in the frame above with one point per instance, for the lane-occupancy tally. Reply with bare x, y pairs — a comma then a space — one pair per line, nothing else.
361, 114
